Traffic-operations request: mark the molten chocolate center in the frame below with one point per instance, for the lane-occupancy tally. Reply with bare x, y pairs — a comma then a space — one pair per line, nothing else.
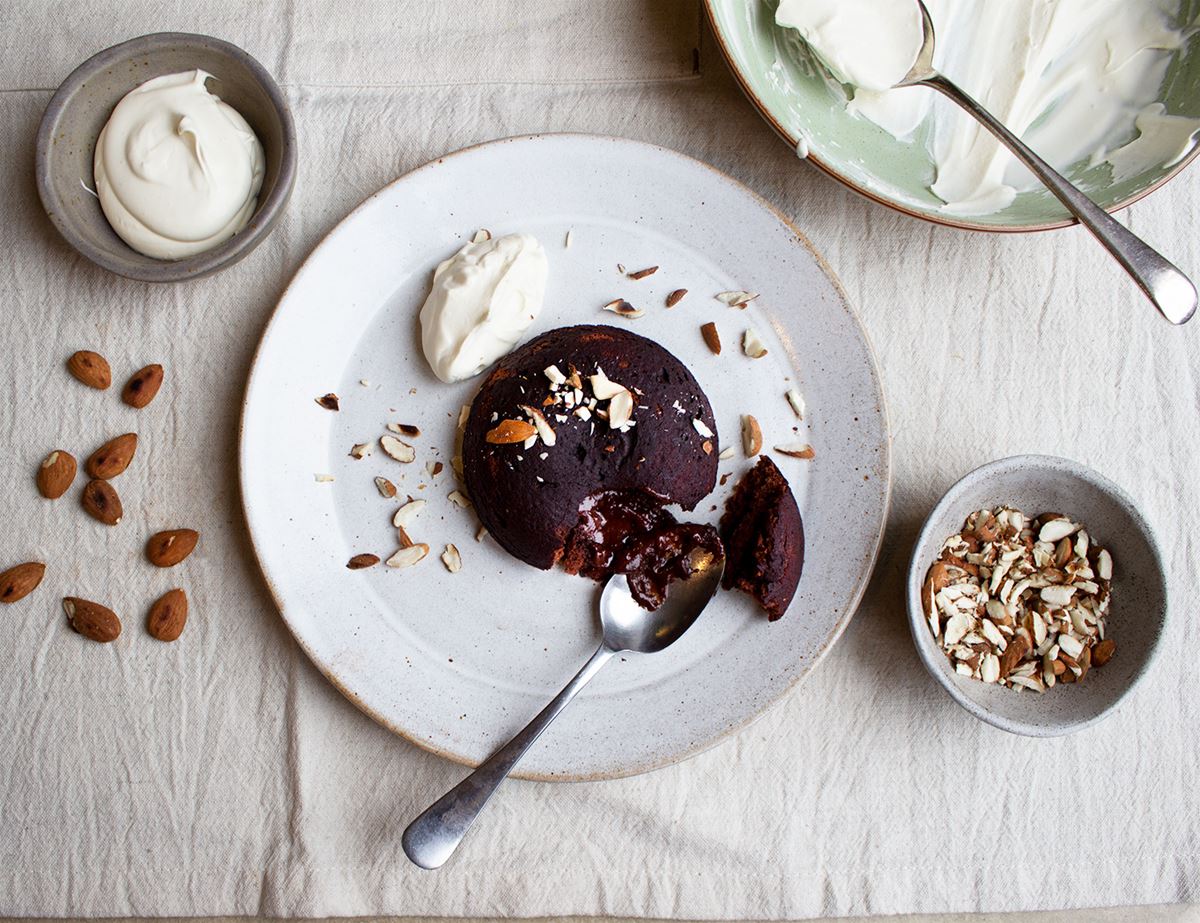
629, 532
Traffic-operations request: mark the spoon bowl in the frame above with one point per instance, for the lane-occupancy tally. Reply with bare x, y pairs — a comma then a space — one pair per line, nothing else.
629, 627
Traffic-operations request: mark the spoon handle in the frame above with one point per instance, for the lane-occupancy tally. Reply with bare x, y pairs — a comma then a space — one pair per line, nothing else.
1170, 290
431, 839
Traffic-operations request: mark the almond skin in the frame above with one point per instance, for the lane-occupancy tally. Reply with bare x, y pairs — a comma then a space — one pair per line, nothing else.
91, 369
508, 432
166, 549
100, 501
92, 620
18, 582
141, 388
712, 339
359, 561
55, 474
111, 458
168, 615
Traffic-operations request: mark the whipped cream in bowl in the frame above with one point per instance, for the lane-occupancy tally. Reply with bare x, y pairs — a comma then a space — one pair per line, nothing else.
196, 165
1100, 88
177, 170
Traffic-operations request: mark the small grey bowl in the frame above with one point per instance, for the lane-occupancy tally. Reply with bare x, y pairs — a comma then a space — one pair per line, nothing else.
72, 122
1037, 484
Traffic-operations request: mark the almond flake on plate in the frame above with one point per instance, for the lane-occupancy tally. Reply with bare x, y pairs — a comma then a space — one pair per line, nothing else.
407, 557
736, 299
323, 478
481, 235
751, 436
452, 559
458, 498
385, 487
401, 451
407, 513
726, 453
796, 450
796, 400
623, 308
752, 344
361, 450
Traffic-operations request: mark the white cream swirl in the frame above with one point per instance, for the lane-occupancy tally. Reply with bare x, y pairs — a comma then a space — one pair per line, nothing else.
178, 171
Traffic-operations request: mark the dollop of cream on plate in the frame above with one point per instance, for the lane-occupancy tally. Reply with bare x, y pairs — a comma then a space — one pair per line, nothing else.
482, 301
178, 171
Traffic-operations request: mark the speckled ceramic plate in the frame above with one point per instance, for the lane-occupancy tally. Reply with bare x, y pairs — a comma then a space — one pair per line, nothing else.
778, 77
458, 662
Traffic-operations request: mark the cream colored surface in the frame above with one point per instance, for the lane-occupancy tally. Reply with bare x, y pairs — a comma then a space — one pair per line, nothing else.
222, 775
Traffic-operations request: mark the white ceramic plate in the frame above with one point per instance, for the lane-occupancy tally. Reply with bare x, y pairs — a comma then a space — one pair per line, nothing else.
457, 663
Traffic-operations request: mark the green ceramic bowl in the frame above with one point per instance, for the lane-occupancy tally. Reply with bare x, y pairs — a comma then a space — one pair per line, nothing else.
796, 101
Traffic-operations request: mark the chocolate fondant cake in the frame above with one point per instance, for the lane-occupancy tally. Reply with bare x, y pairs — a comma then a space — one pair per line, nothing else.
577, 439
764, 538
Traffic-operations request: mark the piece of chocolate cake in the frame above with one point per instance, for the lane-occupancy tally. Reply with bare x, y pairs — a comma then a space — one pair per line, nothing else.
591, 427
764, 538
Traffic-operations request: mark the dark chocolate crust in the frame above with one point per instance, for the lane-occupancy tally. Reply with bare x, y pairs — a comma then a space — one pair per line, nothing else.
764, 538
663, 454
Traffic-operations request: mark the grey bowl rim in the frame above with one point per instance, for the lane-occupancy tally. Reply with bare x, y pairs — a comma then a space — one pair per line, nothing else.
139, 266
920, 630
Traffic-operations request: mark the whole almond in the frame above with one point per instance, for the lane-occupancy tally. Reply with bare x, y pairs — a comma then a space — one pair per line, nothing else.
112, 458
100, 501
359, 561
166, 549
91, 369
168, 615
55, 474
92, 620
18, 582
141, 388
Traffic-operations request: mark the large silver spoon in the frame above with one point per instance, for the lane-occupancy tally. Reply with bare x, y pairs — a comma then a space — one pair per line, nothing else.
1170, 290
431, 839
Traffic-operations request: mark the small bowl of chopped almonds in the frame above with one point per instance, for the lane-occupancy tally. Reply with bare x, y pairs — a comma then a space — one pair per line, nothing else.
1036, 595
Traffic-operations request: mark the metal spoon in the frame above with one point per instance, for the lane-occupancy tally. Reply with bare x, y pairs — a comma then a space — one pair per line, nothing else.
1170, 290
431, 839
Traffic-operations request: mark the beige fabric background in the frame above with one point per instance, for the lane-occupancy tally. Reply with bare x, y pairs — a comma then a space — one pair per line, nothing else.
223, 775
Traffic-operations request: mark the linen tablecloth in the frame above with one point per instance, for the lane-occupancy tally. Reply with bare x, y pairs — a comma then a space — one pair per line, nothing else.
223, 775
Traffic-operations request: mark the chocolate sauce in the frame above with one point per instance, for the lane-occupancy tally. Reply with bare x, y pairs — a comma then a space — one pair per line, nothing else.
675, 552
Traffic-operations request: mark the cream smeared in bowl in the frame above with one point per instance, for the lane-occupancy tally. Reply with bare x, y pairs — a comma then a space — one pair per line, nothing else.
870, 44
482, 301
177, 170
1078, 80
